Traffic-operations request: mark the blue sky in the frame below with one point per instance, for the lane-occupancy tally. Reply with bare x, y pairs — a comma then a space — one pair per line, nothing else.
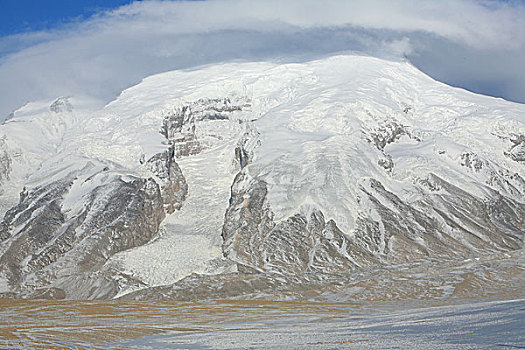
52, 48
18, 16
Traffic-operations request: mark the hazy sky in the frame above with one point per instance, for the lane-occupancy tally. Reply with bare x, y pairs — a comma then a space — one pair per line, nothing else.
475, 44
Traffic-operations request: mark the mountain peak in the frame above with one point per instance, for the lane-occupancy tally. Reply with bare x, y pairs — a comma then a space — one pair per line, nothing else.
279, 171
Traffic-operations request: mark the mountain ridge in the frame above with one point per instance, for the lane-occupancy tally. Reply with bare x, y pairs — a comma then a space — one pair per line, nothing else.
271, 172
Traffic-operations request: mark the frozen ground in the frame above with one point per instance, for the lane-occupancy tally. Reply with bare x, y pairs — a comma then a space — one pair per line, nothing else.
497, 325
259, 324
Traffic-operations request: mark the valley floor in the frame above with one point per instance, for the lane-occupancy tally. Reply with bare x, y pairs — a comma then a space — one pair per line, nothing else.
261, 324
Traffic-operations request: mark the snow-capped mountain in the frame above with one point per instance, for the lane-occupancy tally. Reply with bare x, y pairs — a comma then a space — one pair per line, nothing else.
248, 179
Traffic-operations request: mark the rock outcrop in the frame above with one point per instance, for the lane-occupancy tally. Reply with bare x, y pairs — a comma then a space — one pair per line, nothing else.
344, 178
517, 151
303, 243
172, 182
47, 246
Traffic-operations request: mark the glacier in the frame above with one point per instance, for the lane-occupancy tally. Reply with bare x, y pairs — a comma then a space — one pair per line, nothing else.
258, 179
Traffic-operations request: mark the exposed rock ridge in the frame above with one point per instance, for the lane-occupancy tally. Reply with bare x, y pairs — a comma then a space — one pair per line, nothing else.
517, 151
445, 225
46, 244
449, 223
340, 170
181, 127
303, 243
386, 134
171, 180
61, 104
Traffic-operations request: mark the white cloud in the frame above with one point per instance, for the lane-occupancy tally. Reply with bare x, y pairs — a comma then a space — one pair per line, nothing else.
115, 49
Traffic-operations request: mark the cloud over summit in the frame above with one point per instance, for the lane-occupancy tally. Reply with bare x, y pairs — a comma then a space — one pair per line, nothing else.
474, 44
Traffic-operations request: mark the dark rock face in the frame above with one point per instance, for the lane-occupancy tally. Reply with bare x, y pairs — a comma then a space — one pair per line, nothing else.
48, 250
298, 245
61, 104
172, 182
517, 151
46, 246
386, 163
389, 133
242, 156
385, 135
180, 128
470, 160
448, 224
497, 221
29, 225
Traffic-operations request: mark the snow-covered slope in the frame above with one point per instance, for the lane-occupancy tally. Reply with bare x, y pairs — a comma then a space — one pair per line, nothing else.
291, 170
